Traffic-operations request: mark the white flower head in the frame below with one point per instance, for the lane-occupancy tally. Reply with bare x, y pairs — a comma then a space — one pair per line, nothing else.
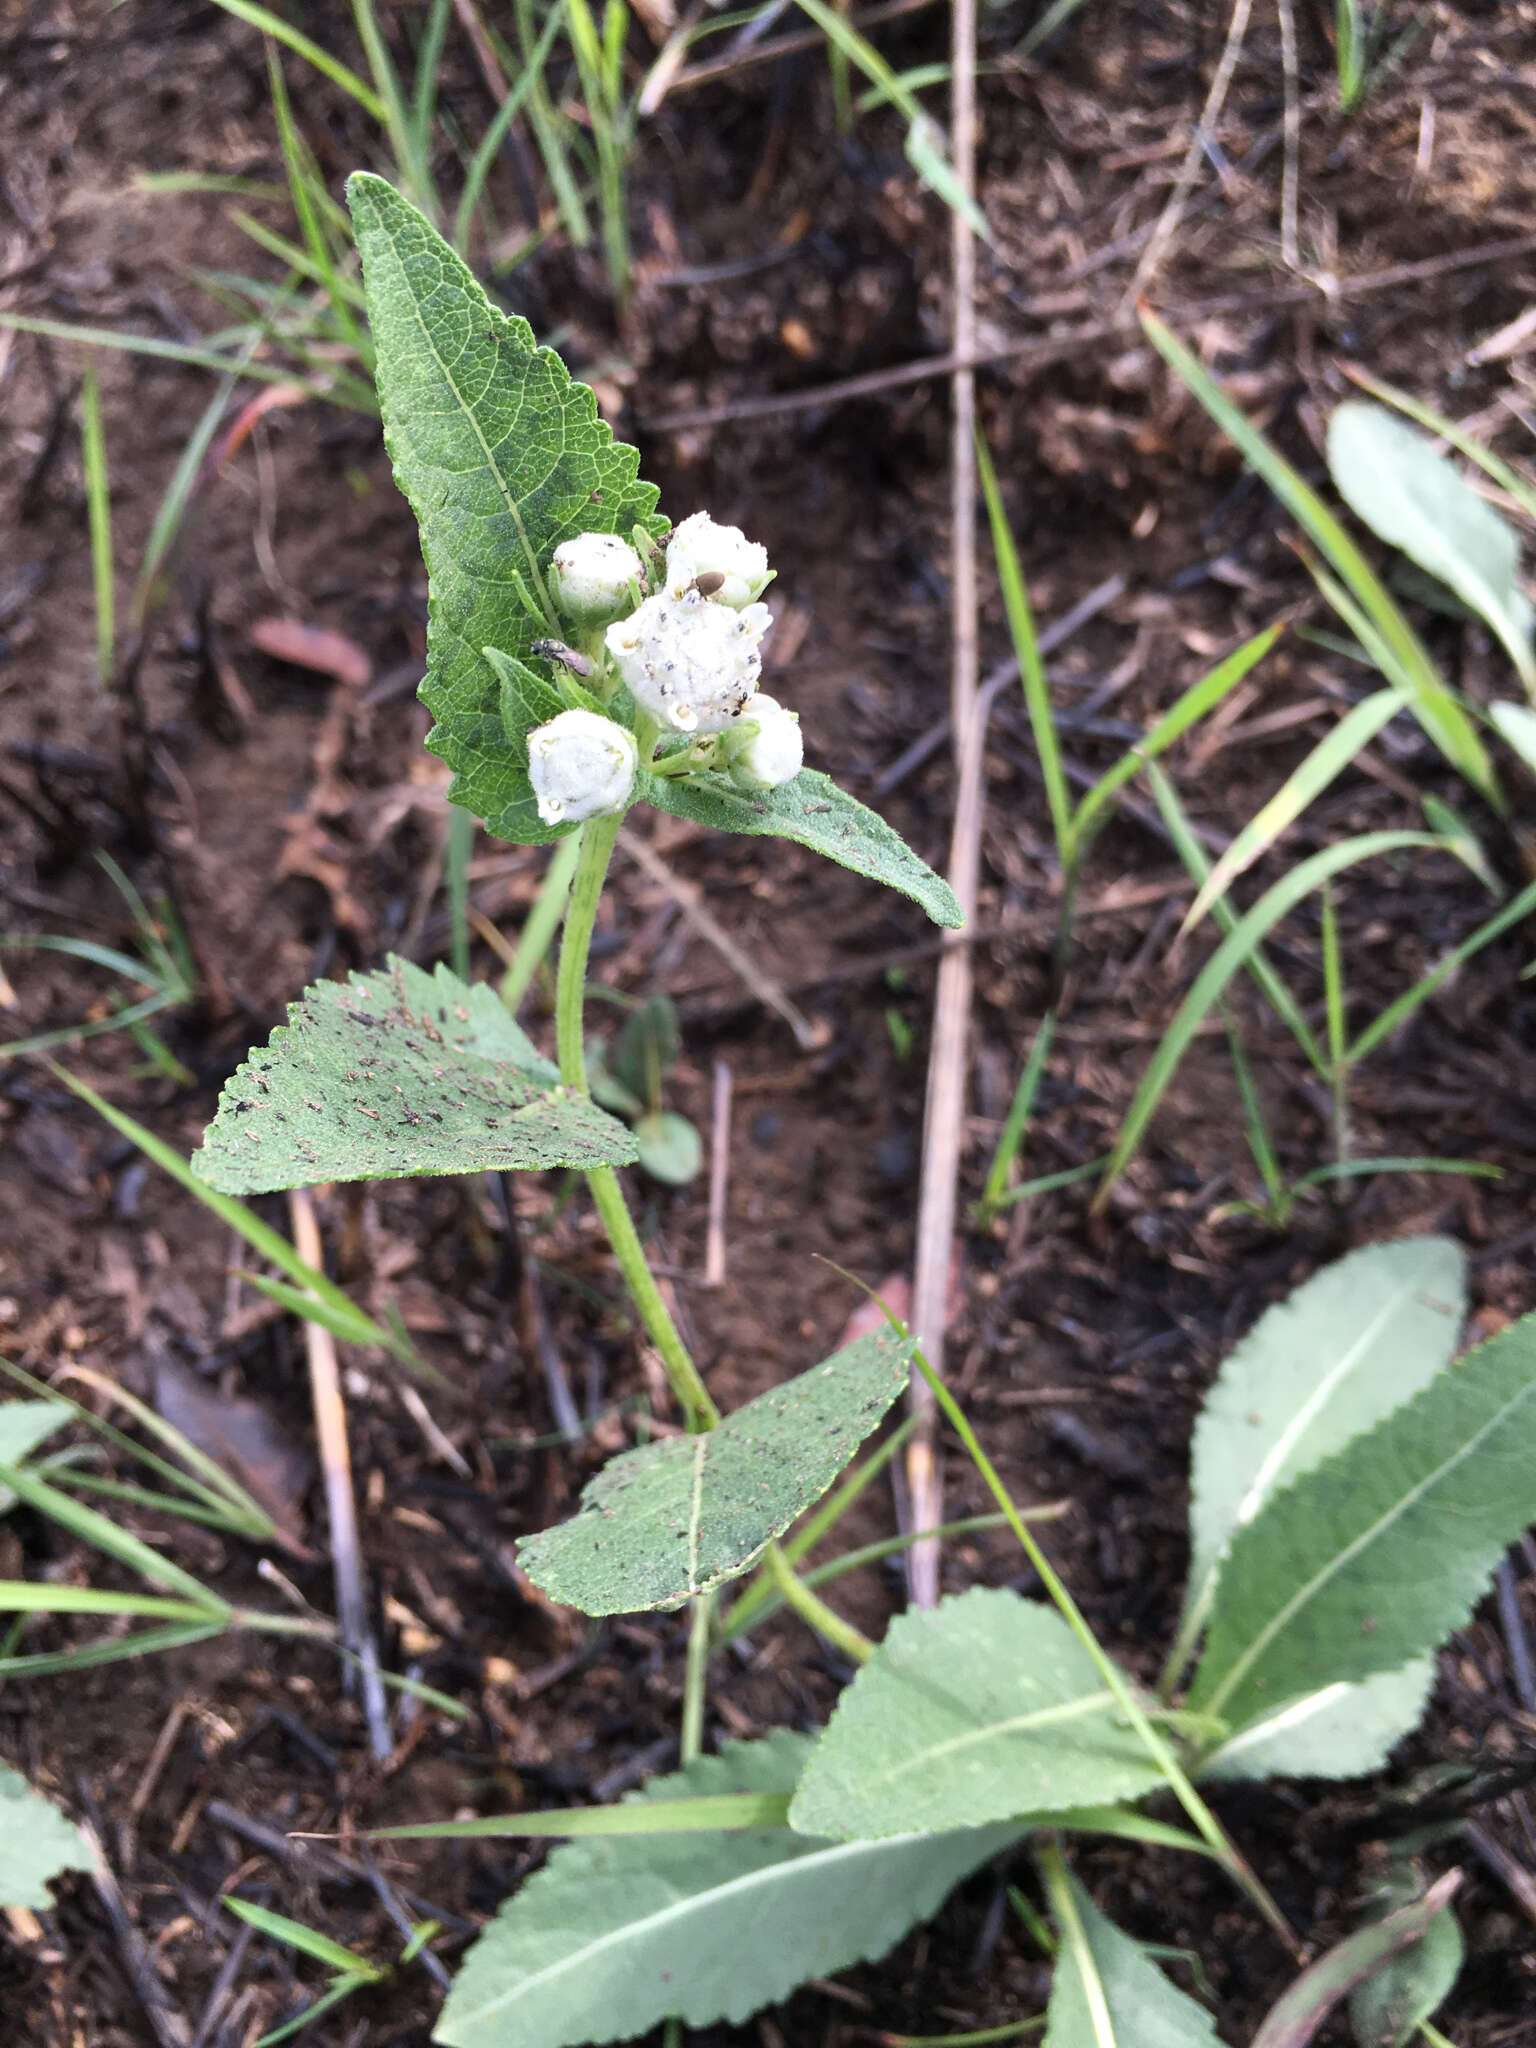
690, 664
776, 753
699, 548
591, 577
581, 765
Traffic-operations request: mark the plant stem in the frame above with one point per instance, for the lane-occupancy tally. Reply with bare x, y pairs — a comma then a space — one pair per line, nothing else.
597, 841
691, 1735
813, 1610
1199, 1813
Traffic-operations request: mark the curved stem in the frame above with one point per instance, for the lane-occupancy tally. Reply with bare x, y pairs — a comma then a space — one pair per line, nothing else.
813, 1610
597, 840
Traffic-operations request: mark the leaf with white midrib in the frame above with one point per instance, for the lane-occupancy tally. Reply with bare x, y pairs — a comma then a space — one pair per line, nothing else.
502, 456
682, 1515
618, 1932
985, 1707
1372, 1558
1356, 1340
399, 1072
1106, 1991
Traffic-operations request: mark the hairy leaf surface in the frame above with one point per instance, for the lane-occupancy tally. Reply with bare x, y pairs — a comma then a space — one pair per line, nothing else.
1374, 1556
1107, 1992
37, 1842
676, 1517
814, 812
618, 1932
1391, 476
1329, 1361
398, 1072
502, 456
1343, 1731
984, 1707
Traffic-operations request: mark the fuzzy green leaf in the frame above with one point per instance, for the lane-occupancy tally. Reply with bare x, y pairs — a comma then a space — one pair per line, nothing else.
677, 1517
502, 456
393, 1073
1359, 1338
37, 1842
814, 812
1390, 475
23, 1426
1387, 2010
983, 1708
1108, 1993
1343, 1731
1373, 1557
617, 1933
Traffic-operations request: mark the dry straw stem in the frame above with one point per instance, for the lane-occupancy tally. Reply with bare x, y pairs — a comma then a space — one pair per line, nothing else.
340, 1504
944, 1113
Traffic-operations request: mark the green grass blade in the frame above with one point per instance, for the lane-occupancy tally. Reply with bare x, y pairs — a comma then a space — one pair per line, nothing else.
349, 1326
1016, 1123
23, 1596
107, 1536
1268, 980
341, 1987
1191, 707
308, 1940
98, 506
541, 923
151, 345
258, 1235
429, 57
412, 161
1361, 1169
1395, 1013
345, 295
1048, 1183
144, 1642
330, 67
1436, 709
1231, 955
1326, 762
529, 79
1037, 690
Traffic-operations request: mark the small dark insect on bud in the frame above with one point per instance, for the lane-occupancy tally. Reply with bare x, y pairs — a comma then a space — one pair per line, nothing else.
711, 581
556, 650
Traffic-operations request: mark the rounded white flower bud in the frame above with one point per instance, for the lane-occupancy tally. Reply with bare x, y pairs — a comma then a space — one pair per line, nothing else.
581, 765
591, 575
700, 549
689, 664
776, 753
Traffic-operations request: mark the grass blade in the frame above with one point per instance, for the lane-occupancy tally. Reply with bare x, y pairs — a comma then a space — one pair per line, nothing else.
1232, 954
1016, 1123
98, 506
1395, 1013
330, 67
115, 1542
1412, 670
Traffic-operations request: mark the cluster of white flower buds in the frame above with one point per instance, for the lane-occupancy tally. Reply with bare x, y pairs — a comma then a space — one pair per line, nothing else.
689, 655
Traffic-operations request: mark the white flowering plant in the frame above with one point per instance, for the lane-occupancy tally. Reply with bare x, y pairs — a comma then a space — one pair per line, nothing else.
1351, 1494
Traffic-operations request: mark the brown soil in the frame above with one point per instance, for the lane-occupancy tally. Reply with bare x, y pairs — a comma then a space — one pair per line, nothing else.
297, 828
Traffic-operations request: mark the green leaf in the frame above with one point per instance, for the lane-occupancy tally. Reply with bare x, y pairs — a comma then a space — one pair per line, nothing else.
393, 1073
23, 1426
671, 1149
1372, 1558
1387, 2010
814, 812
677, 1517
1107, 1992
1343, 1731
502, 456
1329, 1361
1516, 725
617, 1933
1389, 475
982, 1708
36, 1843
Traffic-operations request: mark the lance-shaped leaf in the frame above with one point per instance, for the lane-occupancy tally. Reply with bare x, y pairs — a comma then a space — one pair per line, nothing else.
1107, 1992
23, 1426
814, 812
1329, 1361
37, 1842
398, 1072
1342, 1731
676, 1517
617, 1933
1417, 500
1374, 1556
502, 456
983, 1707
